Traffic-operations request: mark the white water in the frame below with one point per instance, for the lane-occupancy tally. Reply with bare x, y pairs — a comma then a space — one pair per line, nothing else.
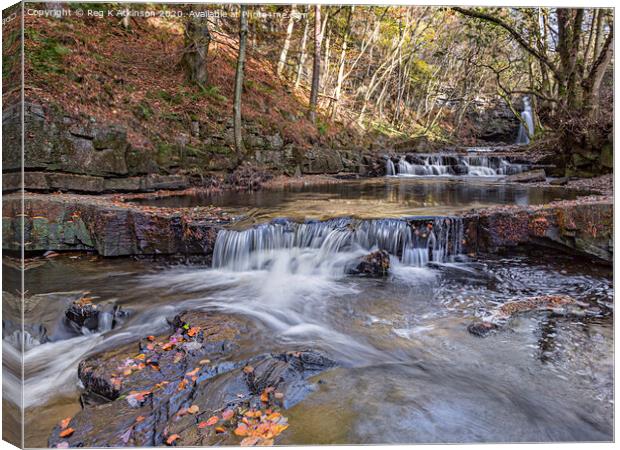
335, 242
453, 165
527, 131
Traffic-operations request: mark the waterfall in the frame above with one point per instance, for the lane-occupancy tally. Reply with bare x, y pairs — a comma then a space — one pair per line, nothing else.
450, 165
413, 242
389, 167
525, 132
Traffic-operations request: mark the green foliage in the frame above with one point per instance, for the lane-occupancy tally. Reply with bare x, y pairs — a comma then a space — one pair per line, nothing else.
47, 56
322, 127
143, 110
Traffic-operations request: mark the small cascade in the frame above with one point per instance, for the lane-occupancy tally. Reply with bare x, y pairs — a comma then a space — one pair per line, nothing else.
453, 165
389, 167
526, 131
314, 244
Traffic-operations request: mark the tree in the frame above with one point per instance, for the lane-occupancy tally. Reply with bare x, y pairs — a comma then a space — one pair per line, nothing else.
197, 40
316, 67
243, 34
287, 41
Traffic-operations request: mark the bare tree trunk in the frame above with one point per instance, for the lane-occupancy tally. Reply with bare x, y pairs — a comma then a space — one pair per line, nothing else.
197, 40
302, 55
243, 34
316, 69
343, 55
287, 42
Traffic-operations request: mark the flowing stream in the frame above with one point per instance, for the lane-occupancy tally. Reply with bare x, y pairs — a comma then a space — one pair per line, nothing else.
408, 370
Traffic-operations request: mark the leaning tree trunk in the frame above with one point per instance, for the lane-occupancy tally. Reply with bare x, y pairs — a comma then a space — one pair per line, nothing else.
197, 40
287, 42
302, 54
316, 68
243, 34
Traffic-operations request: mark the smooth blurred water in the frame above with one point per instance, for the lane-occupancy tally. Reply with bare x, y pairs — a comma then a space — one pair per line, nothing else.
408, 369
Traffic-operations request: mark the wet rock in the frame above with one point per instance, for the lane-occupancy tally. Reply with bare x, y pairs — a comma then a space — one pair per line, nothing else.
82, 313
529, 176
562, 181
375, 264
196, 396
558, 305
194, 337
33, 334
482, 328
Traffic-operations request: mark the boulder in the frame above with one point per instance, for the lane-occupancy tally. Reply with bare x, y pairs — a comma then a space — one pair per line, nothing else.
186, 387
529, 176
82, 313
375, 264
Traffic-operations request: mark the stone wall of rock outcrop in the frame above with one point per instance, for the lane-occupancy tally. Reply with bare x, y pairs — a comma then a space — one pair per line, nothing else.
578, 226
84, 223
492, 121
113, 228
67, 153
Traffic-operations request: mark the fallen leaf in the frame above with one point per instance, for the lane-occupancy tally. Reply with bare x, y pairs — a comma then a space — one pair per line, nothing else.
193, 372
248, 369
264, 397
151, 338
212, 421
172, 438
66, 432
140, 419
228, 414
64, 423
220, 430
242, 430
193, 409
204, 361
193, 331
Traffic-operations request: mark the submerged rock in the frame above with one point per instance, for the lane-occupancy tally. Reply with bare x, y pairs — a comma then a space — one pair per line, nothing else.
529, 176
375, 264
561, 305
186, 388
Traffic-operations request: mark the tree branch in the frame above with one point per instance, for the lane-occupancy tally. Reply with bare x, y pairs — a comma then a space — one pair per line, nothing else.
520, 40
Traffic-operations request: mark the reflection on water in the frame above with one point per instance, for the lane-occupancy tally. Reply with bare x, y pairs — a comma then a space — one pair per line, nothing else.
409, 371
372, 198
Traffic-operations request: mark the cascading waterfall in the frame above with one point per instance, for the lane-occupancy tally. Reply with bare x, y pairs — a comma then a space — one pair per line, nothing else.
437, 165
527, 130
414, 242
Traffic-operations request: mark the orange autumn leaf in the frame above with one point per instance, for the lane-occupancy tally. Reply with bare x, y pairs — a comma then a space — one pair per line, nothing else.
220, 430
193, 409
228, 414
151, 338
66, 432
64, 423
248, 369
193, 331
264, 397
193, 372
212, 420
172, 438
242, 430
139, 419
